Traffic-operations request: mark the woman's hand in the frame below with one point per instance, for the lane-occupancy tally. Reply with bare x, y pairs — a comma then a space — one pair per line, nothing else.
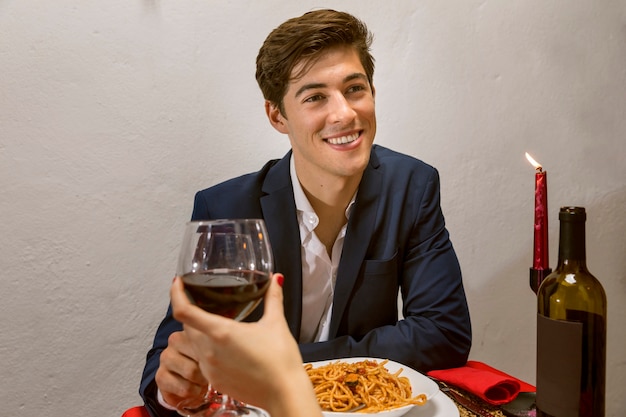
257, 363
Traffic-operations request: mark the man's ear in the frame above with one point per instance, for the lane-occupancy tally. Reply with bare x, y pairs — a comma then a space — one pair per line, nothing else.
277, 120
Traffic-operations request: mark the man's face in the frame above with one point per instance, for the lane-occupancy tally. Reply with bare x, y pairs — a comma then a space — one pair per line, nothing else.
329, 117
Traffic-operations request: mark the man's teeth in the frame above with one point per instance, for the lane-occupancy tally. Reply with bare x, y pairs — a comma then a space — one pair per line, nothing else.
343, 139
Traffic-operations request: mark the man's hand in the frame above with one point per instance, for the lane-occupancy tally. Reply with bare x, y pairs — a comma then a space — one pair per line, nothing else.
179, 377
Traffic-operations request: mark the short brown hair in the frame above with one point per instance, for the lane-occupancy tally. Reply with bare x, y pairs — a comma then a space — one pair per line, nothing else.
304, 39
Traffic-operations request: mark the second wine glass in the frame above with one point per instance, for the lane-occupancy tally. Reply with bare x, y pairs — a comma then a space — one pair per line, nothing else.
225, 266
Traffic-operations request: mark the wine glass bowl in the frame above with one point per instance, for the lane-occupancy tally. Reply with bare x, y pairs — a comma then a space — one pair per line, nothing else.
225, 266
223, 276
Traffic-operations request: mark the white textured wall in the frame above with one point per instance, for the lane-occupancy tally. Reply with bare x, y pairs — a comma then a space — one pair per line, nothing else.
113, 113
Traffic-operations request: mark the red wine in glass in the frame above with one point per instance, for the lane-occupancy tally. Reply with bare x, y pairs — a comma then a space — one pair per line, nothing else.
228, 292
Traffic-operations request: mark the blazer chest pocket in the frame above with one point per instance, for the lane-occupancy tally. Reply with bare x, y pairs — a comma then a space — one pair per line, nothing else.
375, 296
380, 279
375, 267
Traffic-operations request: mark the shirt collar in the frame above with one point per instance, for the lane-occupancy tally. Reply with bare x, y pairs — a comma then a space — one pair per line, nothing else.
306, 214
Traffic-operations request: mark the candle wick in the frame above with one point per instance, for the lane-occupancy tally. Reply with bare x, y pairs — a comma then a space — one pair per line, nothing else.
539, 169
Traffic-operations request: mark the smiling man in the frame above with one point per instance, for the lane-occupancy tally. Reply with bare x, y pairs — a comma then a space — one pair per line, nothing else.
351, 223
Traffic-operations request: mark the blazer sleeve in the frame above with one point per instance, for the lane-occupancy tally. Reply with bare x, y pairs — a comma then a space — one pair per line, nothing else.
435, 331
148, 388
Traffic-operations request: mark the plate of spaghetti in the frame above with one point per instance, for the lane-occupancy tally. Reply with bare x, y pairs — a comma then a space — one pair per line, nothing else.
380, 386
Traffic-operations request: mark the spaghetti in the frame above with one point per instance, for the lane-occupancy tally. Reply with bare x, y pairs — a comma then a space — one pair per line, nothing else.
341, 386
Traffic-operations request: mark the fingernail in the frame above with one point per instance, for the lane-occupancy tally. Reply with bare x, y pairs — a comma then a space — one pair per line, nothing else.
280, 279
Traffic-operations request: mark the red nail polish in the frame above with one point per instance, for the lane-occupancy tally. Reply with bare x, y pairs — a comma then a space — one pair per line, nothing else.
280, 279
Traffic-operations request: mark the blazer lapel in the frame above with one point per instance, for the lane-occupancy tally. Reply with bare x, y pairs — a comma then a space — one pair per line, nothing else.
358, 236
279, 212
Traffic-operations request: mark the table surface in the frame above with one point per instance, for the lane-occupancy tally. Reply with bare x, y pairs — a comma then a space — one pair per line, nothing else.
442, 406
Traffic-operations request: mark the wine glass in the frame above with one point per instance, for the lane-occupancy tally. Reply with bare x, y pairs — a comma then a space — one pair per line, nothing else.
225, 267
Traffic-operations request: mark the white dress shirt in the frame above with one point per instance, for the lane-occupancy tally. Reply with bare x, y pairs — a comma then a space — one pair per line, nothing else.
319, 271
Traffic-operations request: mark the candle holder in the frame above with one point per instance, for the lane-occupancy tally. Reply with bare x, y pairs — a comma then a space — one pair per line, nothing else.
537, 276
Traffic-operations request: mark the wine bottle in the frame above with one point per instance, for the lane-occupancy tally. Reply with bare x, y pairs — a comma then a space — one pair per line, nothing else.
571, 329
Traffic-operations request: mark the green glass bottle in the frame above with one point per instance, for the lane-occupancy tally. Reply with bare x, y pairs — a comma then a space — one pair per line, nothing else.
571, 329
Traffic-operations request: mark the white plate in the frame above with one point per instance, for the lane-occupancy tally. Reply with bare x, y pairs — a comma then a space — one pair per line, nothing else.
440, 406
420, 384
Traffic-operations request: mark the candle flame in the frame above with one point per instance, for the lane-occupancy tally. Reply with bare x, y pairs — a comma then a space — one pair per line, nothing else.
534, 163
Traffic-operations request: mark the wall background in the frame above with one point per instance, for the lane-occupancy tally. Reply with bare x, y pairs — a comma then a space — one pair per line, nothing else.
112, 114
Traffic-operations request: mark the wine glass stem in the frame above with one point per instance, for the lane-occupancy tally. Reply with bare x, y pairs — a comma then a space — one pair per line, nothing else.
211, 402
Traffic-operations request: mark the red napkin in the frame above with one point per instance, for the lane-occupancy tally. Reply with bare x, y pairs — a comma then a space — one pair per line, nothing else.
480, 379
139, 411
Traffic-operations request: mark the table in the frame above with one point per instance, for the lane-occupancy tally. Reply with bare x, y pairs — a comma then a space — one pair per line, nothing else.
523, 405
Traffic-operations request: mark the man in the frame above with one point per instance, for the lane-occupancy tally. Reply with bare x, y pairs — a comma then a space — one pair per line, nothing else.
351, 223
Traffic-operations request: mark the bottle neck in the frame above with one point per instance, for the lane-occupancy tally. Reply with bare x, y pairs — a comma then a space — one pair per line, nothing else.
572, 248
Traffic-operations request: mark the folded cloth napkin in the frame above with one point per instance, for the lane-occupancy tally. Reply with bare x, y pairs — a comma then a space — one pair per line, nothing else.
480, 379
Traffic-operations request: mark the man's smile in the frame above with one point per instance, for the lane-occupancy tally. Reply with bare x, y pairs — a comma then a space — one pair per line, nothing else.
343, 139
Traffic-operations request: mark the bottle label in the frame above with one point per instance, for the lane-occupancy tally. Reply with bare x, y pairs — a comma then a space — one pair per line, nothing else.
559, 366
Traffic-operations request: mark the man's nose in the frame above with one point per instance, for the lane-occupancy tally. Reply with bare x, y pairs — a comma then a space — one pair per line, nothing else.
341, 109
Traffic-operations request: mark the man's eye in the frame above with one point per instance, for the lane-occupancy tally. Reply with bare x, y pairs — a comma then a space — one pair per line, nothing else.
316, 97
356, 88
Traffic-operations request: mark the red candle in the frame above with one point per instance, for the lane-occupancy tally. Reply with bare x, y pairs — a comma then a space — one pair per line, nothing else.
540, 248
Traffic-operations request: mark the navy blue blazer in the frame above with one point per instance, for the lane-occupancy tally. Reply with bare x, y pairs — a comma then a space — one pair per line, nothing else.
396, 240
